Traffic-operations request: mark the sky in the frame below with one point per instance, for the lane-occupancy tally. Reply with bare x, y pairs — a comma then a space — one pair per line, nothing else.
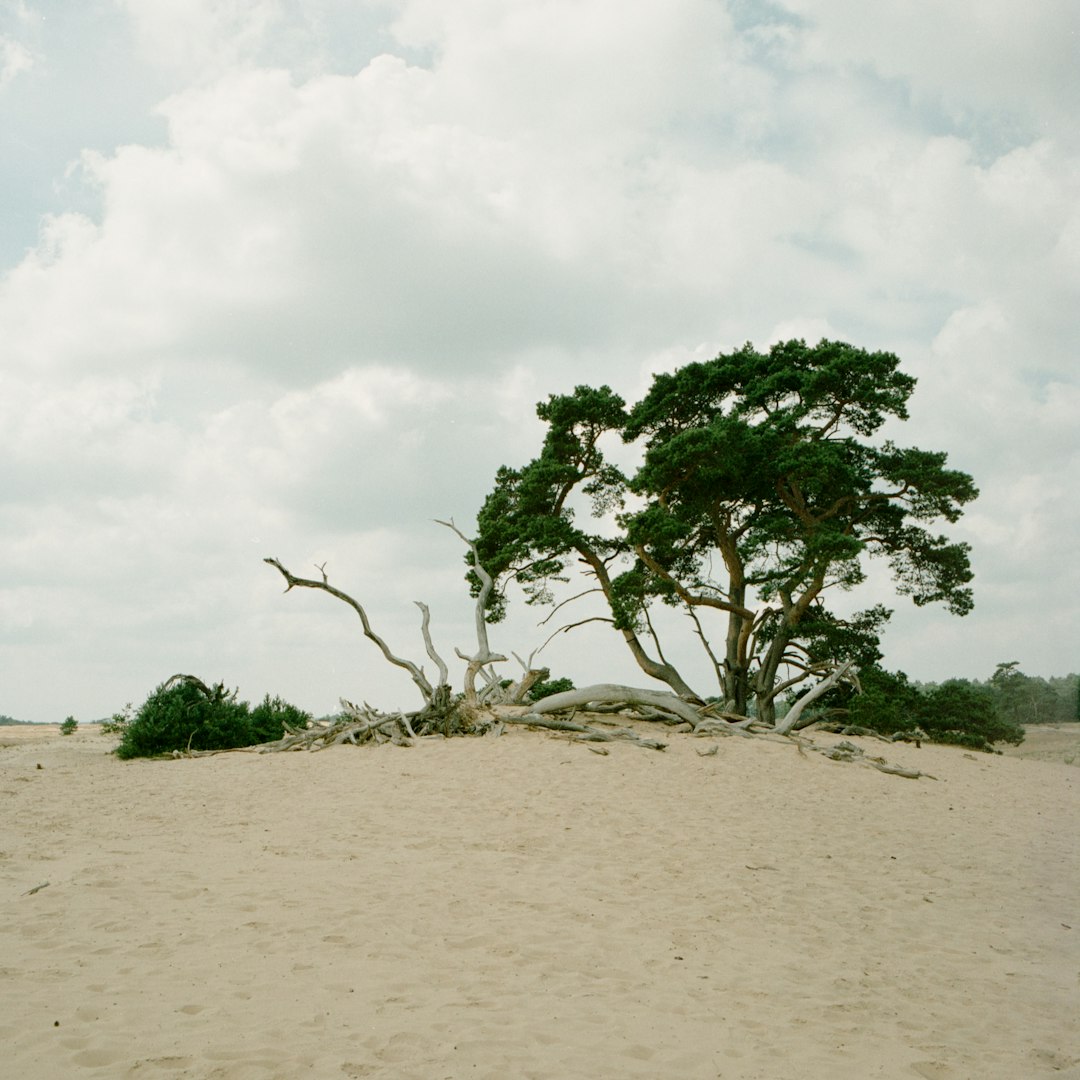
288, 277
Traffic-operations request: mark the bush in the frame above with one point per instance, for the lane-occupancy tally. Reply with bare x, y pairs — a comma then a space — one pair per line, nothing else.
185, 714
958, 711
546, 689
964, 713
888, 703
271, 719
69, 726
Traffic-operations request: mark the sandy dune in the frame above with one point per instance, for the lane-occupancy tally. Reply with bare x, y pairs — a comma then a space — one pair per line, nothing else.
522, 907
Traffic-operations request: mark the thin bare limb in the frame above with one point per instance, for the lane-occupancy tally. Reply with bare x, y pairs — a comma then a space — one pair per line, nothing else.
700, 631
483, 654
425, 624
571, 626
569, 600
292, 581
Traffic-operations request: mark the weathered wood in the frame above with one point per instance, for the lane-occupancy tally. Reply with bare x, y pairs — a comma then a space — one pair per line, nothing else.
583, 732
427, 691
483, 654
613, 692
789, 722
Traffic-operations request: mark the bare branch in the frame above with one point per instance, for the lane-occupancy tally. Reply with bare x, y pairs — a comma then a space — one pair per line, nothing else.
571, 626
483, 654
425, 623
699, 630
569, 600
584, 733
418, 677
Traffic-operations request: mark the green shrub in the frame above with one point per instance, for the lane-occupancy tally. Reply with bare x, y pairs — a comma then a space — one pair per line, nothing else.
183, 714
186, 714
69, 726
964, 713
888, 703
546, 689
958, 711
271, 719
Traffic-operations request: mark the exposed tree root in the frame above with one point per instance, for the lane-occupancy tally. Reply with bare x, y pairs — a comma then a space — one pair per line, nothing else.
358, 724
584, 733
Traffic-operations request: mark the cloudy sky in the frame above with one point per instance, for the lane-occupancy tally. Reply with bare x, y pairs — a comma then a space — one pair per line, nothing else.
287, 277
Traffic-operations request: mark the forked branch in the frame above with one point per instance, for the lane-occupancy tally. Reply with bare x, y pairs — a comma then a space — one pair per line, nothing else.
483, 654
416, 673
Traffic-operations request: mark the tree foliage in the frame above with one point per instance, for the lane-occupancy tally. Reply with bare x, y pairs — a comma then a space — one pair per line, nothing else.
759, 488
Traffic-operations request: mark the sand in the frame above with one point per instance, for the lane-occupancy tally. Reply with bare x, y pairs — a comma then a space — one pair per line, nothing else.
522, 907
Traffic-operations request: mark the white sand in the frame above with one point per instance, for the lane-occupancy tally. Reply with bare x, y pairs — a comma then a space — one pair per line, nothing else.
522, 907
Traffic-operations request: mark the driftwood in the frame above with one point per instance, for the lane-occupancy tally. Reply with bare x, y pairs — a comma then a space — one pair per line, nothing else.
583, 732
846, 751
483, 655
427, 691
358, 724
612, 693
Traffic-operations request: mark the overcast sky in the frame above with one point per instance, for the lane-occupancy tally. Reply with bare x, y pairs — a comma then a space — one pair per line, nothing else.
287, 277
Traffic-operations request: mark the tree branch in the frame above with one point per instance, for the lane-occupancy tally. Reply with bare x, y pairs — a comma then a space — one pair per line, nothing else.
425, 623
483, 654
292, 581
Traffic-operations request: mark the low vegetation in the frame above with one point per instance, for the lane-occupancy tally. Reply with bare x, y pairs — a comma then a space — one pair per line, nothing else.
184, 714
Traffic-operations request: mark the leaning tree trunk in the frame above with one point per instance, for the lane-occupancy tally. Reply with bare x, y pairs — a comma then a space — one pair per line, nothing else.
656, 669
791, 721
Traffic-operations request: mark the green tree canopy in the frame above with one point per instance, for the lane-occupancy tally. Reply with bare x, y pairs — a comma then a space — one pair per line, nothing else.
759, 488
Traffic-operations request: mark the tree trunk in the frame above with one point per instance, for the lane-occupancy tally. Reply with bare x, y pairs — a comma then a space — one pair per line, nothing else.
655, 669
791, 720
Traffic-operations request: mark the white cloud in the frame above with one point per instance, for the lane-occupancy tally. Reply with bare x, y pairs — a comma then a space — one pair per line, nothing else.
995, 56
318, 313
199, 38
15, 58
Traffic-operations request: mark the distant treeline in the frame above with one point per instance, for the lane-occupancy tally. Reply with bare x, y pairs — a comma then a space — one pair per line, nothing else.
10, 721
1026, 699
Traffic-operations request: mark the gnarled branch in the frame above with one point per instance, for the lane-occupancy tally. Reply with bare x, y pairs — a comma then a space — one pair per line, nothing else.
292, 581
483, 654
627, 695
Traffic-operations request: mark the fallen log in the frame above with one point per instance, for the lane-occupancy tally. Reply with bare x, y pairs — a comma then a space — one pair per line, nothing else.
613, 693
